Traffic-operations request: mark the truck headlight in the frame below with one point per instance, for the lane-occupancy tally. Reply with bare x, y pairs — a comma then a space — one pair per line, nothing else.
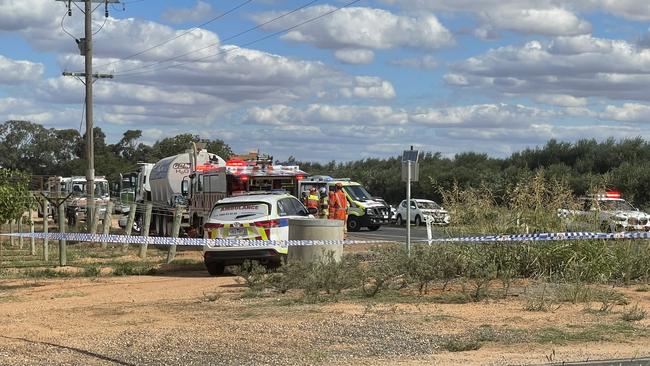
369, 211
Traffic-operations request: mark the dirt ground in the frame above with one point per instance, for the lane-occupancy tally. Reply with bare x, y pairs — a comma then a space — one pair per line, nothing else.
189, 318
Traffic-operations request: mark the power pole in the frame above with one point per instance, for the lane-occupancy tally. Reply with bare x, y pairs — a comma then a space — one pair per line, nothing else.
86, 48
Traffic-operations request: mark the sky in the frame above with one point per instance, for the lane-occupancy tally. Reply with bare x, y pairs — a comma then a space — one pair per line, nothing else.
340, 79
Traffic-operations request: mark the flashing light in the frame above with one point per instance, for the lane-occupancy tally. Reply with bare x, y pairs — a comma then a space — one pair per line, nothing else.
235, 162
205, 167
613, 194
243, 178
300, 177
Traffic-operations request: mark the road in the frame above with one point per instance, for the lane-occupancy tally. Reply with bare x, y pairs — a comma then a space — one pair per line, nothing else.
392, 233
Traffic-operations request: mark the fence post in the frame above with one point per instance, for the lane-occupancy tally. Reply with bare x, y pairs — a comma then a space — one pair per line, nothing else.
32, 244
145, 228
176, 227
108, 218
129, 223
12, 240
20, 231
46, 229
63, 254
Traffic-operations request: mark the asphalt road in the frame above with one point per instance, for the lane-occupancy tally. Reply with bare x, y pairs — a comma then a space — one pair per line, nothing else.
392, 233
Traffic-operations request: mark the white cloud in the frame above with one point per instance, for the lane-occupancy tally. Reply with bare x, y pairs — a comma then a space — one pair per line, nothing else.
425, 62
19, 71
580, 67
561, 100
326, 115
551, 21
200, 11
361, 28
628, 112
480, 115
354, 56
21, 15
369, 87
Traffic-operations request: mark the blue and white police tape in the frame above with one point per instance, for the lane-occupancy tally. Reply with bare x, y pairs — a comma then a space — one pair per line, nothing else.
234, 243
543, 237
196, 242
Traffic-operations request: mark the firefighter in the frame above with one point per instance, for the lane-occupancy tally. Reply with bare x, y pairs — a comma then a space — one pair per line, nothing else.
339, 203
324, 209
312, 201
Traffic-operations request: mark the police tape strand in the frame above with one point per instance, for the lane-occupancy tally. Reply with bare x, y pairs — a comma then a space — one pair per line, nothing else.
235, 243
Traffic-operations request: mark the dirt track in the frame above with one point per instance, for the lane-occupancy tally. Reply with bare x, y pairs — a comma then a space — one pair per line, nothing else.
189, 318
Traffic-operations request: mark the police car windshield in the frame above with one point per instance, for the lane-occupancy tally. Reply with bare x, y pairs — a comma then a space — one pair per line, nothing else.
428, 205
612, 205
358, 193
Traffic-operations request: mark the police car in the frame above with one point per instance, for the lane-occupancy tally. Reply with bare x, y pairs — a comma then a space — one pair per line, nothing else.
420, 209
609, 211
252, 216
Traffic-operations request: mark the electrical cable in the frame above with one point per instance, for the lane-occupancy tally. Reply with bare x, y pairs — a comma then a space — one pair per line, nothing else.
128, 73
223, 40
180, 35
83, 115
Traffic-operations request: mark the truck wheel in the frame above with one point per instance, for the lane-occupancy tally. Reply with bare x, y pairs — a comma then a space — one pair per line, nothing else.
418, 221
215, 269
353, 224
399, 220
373, 227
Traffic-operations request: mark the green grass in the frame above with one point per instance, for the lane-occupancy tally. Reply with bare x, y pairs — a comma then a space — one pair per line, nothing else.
461, 345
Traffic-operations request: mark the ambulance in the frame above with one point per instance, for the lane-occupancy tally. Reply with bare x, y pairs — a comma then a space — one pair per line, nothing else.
364, 209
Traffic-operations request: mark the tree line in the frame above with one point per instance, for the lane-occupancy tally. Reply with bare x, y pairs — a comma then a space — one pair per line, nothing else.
617, 164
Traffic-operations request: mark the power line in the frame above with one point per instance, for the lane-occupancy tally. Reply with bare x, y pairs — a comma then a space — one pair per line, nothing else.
129, 72
180, 35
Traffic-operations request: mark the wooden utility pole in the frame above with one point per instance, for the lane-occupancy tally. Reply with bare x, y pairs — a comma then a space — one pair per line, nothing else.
86, 48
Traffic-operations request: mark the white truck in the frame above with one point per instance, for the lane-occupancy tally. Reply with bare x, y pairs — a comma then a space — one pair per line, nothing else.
75, 187
168, 180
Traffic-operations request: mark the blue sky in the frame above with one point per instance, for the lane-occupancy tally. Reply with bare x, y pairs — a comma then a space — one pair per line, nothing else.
367, 80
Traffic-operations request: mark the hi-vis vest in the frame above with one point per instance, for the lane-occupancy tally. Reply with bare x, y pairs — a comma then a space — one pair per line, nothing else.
312, 201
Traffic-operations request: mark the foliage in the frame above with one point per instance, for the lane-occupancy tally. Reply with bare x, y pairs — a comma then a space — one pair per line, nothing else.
14, 194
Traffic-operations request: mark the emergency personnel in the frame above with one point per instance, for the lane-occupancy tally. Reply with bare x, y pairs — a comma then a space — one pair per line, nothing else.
340, 204
324, 209
312, 201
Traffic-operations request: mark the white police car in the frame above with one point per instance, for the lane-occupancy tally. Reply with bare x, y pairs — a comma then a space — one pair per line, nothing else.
253, 216
419, 209
609, 211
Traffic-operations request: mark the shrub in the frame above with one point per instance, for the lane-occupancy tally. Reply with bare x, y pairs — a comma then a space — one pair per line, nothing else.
634, 314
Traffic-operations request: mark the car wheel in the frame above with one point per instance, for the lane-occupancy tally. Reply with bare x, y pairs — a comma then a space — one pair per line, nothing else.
399, 220
373, 227
418, 221
215, 269
353, 224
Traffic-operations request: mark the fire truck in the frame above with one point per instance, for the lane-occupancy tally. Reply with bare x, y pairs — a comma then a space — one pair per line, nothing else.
209, 183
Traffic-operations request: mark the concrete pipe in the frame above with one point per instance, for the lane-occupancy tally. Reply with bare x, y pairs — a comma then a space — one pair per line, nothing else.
309, 229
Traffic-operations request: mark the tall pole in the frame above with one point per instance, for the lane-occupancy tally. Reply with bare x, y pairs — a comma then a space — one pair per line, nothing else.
90, 148
408, 209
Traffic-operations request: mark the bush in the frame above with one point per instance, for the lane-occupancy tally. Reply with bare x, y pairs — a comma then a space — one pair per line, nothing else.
634, 314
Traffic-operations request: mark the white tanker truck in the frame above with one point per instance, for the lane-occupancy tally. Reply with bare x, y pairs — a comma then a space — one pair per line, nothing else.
166, 180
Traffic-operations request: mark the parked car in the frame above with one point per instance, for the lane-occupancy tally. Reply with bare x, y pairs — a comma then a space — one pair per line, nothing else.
261, 216
609, 211
419, 209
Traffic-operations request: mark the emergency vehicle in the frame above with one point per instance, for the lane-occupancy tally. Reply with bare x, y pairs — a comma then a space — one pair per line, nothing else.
75, 188
210, 183
609, 212
364, 209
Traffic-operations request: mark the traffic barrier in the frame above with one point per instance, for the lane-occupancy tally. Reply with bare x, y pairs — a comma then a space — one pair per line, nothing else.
148, 240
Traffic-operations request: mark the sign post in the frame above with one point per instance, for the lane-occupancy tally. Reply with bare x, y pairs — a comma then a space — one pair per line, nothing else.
410, 173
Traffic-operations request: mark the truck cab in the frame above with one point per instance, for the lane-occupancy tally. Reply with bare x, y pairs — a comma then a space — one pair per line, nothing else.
364, 209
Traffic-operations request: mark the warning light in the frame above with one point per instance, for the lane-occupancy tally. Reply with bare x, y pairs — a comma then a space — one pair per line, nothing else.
235, 162
243, 178
300, 177
613, 194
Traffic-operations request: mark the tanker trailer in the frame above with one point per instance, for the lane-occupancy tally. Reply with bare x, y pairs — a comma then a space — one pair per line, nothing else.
166, 180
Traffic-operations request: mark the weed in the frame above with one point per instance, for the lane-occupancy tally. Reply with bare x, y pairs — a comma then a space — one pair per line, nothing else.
461, 345
541, 302
252, 275
133, 268
93, 270
211, 296
633, 314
